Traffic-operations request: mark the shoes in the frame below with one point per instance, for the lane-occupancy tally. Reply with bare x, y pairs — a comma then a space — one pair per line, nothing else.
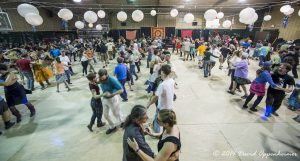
275, 114
132, 83
32, 113
239, 90
136, 79
253, 109
125, 100
19, 119
244, 96
90, 128
9, 125
43, 88
69, 89
230, 92
245, 106
101, 124
131, 89
122, 125
57, 91
109, 131
70, 83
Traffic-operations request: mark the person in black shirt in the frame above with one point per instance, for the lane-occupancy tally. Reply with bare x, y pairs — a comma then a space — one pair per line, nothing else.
206, 62
275, 96
225, 51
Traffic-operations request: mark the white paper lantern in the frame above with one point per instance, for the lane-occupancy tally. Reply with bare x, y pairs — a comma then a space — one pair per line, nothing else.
226, 24
65, 14
247, 13
79, 25
153, 12
99, 27
210, 14
299, 13
101, 14
90, 17
122, 16
174, 12
289, 12
137, 15
25, 8
267, 17
285, 8
90, 25
220, 15
34, 19
188, 18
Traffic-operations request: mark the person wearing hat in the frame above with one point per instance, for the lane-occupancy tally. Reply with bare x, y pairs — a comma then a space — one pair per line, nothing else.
258, 86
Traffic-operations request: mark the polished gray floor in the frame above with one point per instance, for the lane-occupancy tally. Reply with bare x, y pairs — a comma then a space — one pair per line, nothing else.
213, 126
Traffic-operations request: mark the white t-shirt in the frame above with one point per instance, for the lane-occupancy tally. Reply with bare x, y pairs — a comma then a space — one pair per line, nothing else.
187, 45
65, 60
215, 52
110, 46
165, 93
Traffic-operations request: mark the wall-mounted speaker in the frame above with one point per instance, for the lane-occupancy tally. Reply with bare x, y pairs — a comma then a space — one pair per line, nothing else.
195, 23
123, 23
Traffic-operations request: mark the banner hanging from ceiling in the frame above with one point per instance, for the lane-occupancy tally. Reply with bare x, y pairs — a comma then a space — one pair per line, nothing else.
158, 32
131, 35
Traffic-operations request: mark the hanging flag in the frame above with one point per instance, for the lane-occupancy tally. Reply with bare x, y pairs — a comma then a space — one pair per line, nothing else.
186, 33
285, 21
131, 35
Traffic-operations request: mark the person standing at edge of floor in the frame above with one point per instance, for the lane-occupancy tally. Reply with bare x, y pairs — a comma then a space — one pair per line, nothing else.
96, 102
274, 96
121, 74
164, 95
24, 66
111, 89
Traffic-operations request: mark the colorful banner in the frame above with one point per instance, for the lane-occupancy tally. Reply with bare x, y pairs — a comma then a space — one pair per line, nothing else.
157, 32
131, 35
186, 33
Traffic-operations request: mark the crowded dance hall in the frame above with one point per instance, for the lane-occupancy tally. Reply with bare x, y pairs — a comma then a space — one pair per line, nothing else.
149, 80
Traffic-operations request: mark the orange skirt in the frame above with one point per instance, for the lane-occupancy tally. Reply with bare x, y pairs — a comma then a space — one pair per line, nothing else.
43, 74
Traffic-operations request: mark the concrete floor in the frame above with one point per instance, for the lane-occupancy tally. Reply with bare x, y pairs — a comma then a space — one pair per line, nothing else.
213, 126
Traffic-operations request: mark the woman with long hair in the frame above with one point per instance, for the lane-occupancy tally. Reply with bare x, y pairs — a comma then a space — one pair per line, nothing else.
60, 74
14, 92
169, 143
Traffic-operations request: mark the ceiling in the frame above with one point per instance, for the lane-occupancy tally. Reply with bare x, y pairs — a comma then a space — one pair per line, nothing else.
163, 6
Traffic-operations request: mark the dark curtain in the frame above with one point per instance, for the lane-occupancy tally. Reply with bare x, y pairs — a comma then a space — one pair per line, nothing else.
146, 31
178, 33
122, 33
205, 35
170, 31
196, 34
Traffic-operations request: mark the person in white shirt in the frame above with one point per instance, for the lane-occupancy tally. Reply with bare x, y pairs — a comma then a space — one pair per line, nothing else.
164, 95
216, 52
110, 45
65, 60
137, 56
186, 45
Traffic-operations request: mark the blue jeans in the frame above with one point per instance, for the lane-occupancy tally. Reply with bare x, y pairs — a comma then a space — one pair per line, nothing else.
68, 74
132, 71
156, 126
205, 67
124, 94
30, 80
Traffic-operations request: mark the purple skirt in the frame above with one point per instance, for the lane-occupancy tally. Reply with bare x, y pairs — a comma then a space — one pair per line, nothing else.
258, 88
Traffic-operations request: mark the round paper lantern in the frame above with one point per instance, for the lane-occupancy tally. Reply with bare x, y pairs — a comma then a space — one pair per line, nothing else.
267, 17
210, 14
90, 17
137, 15
91, 25
247, 13
79, 25
299, 13
220, 15
153, 12
174, 12
226, 24
285, 8
122, 16
189, 18
34, 19
65, 14
25, 8
289, 12
99, 27
101, 14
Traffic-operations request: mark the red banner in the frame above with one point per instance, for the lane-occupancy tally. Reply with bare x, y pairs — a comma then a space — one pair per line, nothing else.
186, 33
131, 35
157, 32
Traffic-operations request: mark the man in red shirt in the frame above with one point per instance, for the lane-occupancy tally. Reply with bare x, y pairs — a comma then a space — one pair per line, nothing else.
24, 66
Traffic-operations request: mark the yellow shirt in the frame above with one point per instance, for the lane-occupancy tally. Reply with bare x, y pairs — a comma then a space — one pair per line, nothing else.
201, 49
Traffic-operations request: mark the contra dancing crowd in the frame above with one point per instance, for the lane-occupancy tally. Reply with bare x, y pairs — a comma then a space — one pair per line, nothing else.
39, 62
